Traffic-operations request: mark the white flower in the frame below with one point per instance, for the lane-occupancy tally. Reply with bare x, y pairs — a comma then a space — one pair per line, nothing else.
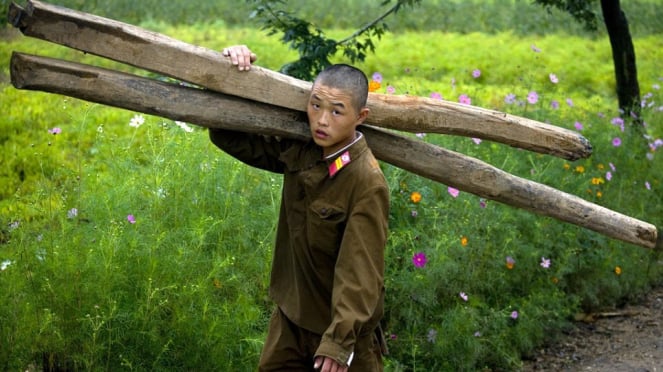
5, 264
137, 121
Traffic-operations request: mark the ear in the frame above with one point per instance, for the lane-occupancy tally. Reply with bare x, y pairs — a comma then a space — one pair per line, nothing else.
363, 114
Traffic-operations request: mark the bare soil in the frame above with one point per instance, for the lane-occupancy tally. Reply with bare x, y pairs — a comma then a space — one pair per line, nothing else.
627, 339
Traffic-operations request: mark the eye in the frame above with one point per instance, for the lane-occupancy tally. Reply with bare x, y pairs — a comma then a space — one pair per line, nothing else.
315, 106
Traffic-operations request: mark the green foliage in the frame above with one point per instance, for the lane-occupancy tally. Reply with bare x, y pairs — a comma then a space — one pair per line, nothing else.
310, 42
184, 287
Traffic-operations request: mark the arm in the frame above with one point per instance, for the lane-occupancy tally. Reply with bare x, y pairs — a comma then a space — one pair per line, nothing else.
358, 290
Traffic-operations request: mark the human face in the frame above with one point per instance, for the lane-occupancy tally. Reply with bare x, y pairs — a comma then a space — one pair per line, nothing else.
332, 118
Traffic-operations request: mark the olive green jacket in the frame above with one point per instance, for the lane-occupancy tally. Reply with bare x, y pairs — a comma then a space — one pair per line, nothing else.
328, 266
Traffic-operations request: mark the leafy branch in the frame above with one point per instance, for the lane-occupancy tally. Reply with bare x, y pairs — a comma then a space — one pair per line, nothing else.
313, 46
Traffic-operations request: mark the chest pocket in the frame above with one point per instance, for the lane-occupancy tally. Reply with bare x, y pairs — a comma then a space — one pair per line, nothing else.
325, 226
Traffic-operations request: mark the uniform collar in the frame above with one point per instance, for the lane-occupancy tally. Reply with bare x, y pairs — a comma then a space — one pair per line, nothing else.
341, 158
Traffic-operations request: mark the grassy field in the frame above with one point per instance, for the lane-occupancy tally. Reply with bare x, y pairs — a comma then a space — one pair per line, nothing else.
129, 242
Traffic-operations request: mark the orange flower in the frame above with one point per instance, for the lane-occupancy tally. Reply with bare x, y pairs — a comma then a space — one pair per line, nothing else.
463, 241
373, 86
415, 197
510, 262
618, 270
580, 169
597, 181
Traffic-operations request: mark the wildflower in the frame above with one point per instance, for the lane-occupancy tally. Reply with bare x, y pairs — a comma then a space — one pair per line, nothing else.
453, 192
185, 127
647, 185
415, 197
377, 77
545, 262
432, 335
14, 225
567, 166
616, 141
414, 213
72, 213
514, 315
535, 49
373, 86
55, 130
555, 280
553, 78
580, 169
597, 181
482, 203
618, 270
217, 283
612, 166
391, 89
464, 296
510, 262
5, 264
420, 135
600, 166
569, 102
578, 126
137, 121
476, 140
599, 194
618, 122
608, 175
465, 99
100, 128
393, 337
532, 97
131, 219
419, 259
510, 98
463, 241
477, 334
436, 95
476, 73
554, 104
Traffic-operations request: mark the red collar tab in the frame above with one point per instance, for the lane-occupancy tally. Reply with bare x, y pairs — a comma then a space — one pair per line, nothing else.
339, 163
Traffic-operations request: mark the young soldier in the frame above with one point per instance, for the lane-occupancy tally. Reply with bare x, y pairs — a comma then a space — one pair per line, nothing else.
327, 276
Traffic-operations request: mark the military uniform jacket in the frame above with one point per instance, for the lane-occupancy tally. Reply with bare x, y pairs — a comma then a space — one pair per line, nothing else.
328, 266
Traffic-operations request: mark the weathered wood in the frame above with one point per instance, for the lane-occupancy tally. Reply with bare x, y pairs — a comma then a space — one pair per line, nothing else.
210, 109
207, 68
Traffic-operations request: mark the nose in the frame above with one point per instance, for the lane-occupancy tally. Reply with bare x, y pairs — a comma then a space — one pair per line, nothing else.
323, 119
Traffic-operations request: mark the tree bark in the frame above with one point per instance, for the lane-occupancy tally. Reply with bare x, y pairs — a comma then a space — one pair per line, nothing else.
215, 110
623, 56
207, 68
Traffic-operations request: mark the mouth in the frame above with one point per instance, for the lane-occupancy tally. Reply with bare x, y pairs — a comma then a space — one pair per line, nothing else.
320, 134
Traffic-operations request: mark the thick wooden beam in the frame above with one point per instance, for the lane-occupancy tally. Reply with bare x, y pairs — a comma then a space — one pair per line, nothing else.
215, 110
207, 68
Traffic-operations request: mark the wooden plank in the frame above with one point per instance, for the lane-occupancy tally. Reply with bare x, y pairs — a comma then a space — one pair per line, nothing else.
215, 110
207, 68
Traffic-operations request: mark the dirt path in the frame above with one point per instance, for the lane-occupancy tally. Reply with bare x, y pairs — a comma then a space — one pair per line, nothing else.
628, 339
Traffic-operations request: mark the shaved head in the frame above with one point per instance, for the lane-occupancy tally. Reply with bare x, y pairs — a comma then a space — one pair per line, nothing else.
346, 78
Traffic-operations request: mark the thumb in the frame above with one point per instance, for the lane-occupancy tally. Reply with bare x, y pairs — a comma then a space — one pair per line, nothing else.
317, 363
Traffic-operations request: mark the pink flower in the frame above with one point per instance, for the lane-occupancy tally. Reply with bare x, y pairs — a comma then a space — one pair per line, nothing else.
55, 131
647, 185
545, 262
419, 259
616, 141
569, 102
476, 140
476, 73
131, 219
554, 104
514, 315
391, 89
533, 97
578, 126
435, 95
465, 99
453, 192
608, 175
510, 98
482, 203
377, 77
612, 166
553, 78
463, 296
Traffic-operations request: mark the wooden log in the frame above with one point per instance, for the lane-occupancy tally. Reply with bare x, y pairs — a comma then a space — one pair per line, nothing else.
207, 68
215, 110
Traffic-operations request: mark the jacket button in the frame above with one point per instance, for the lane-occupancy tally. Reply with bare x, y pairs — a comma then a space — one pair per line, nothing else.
323, 211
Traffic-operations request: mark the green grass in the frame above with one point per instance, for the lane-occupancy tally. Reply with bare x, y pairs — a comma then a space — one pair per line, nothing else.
184, 287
